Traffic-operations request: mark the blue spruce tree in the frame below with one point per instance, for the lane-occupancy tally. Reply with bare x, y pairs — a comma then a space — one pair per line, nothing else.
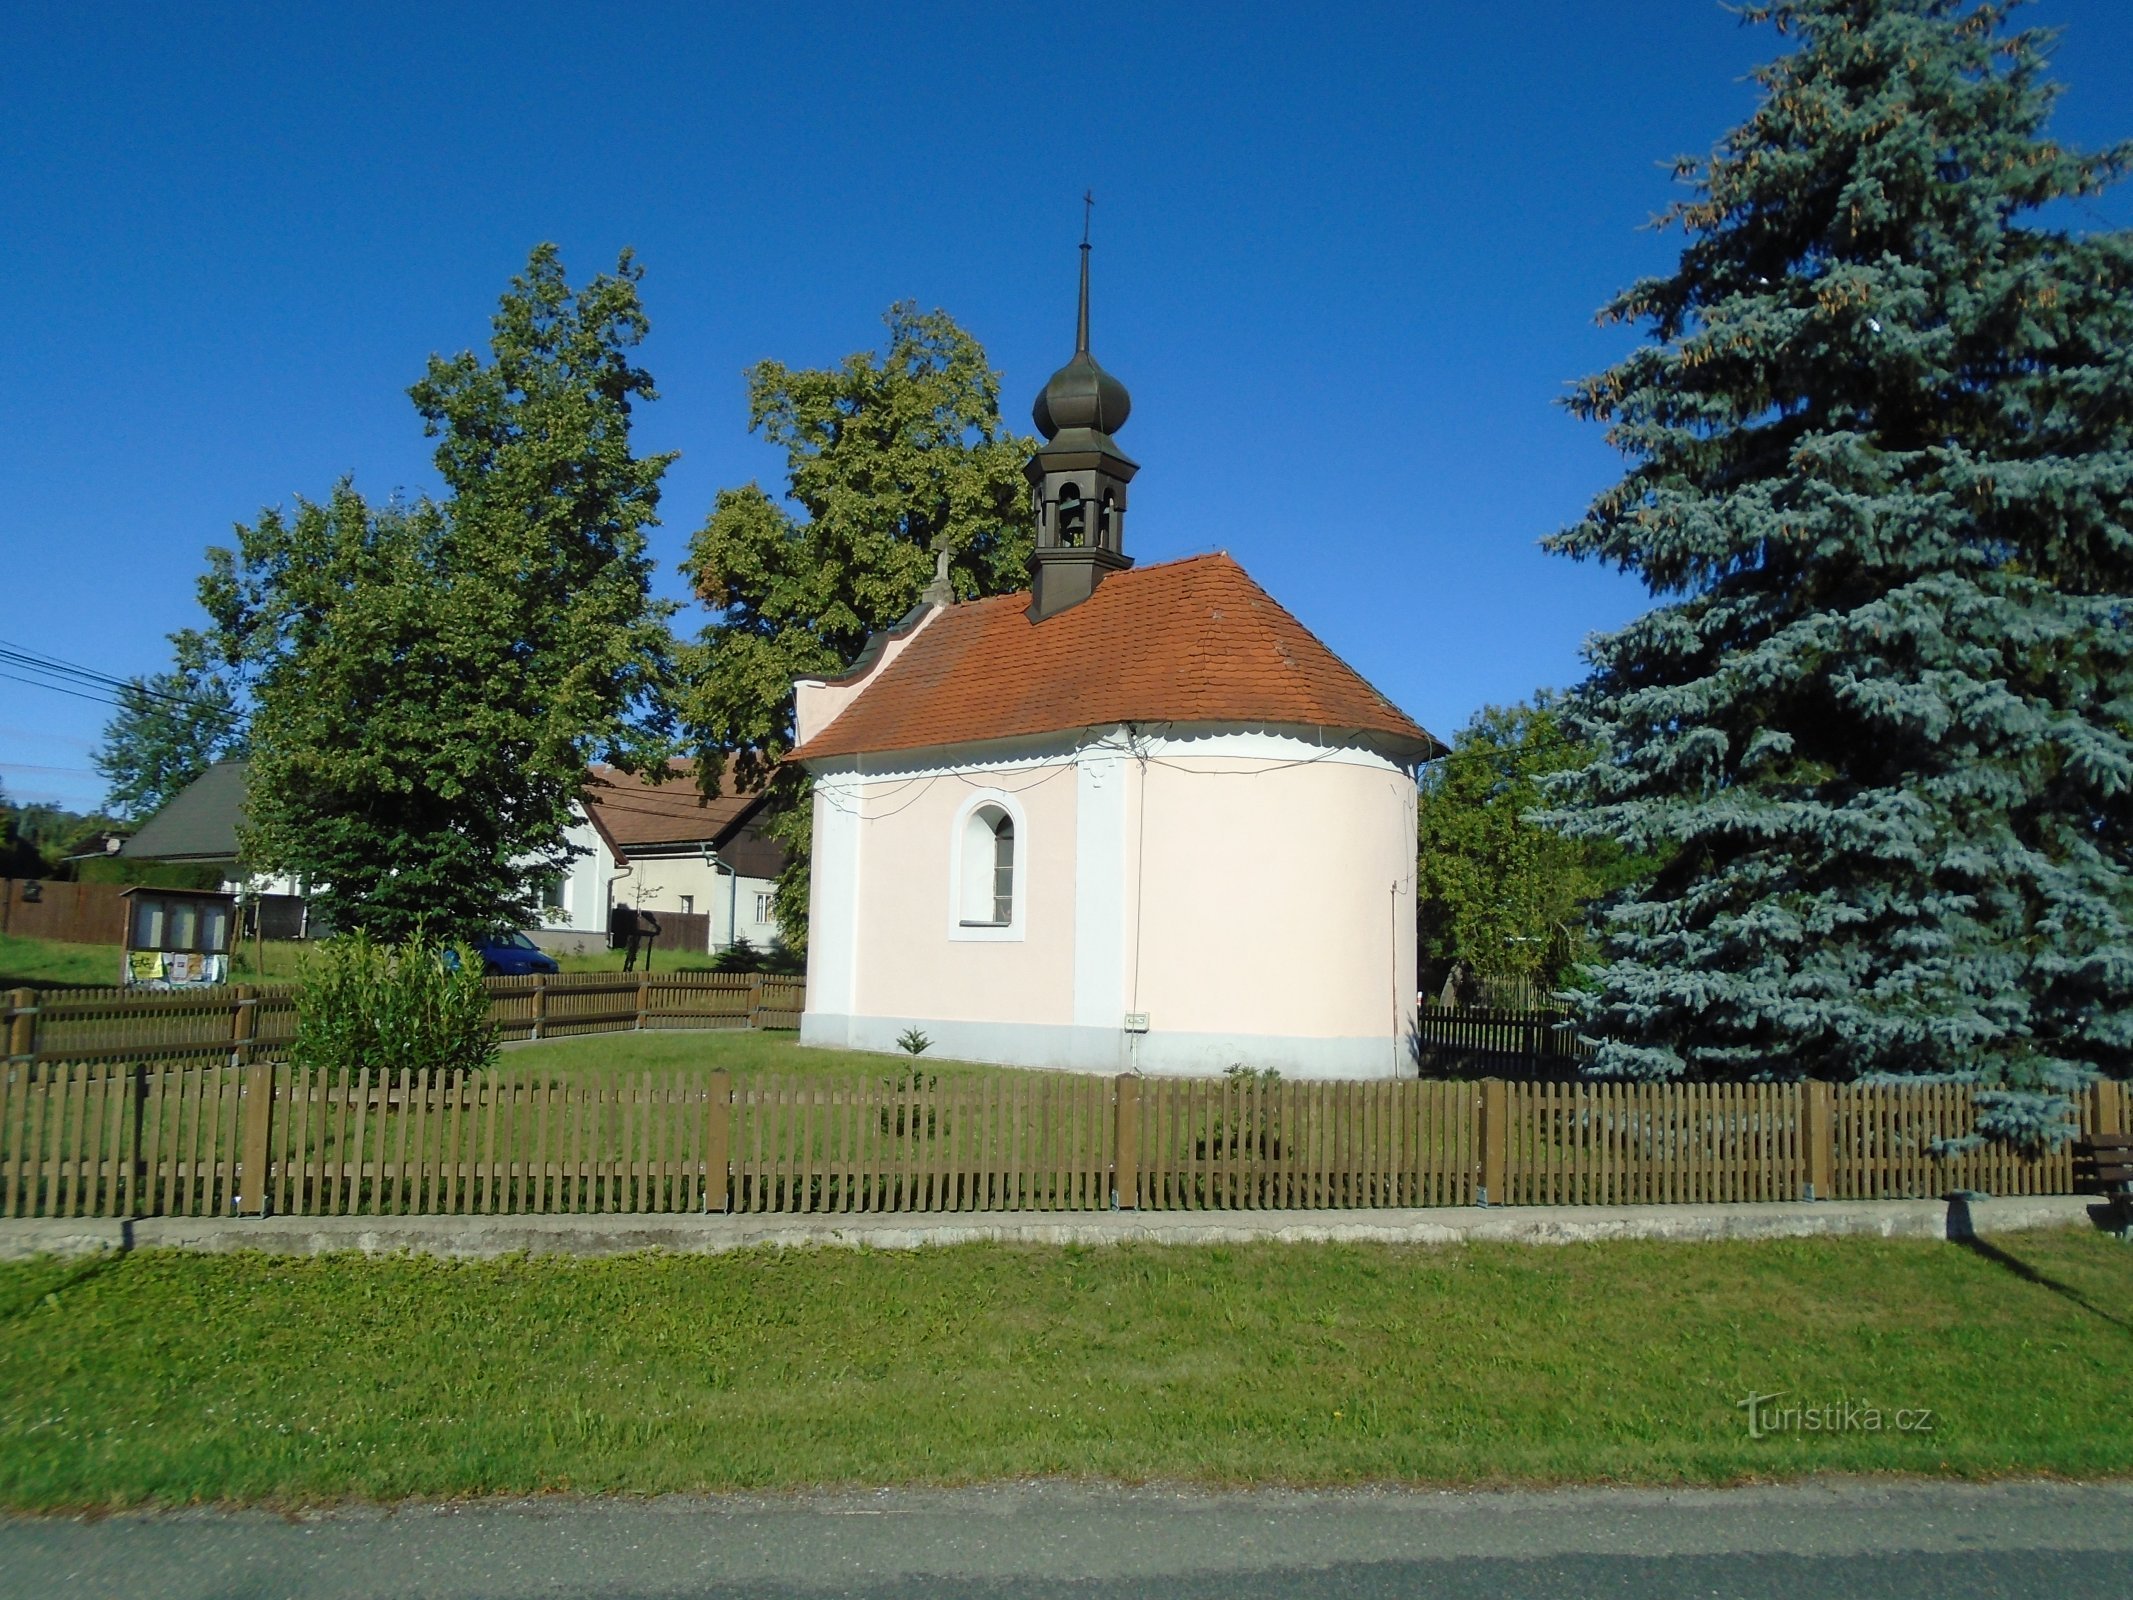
1880, 726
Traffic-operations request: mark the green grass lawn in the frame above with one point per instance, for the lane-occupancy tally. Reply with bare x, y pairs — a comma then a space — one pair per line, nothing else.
48, 963
51, 964
662, 961
610, 1055
164, 1378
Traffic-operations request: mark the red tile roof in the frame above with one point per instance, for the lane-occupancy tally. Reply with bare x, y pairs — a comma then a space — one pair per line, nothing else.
635, 812
1184, 641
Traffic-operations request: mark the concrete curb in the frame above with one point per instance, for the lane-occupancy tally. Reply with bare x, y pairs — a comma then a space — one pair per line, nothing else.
602, 1235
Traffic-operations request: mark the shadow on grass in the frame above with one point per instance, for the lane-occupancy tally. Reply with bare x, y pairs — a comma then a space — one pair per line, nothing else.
1962, 1232
72, 1276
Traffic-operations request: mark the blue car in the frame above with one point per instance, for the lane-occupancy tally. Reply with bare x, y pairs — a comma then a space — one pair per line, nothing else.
512, 955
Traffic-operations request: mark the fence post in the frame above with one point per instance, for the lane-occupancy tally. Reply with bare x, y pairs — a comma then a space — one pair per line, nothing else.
138, 1176
22, 1027
644, 998
718, 1122
1495, 1103
253, 1195
1126, 1145
540, 1005
244, 1024
2108, 1097
1818, 1137
755, 1000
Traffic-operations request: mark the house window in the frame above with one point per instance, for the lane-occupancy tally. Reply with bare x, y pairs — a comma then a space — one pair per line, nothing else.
764, 901
688, 905
550, 889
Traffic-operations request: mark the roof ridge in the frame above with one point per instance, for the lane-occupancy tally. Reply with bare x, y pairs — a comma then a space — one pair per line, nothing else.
1126, 574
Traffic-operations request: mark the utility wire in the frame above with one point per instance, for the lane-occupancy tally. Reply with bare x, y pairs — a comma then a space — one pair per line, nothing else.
39, 683
87, 683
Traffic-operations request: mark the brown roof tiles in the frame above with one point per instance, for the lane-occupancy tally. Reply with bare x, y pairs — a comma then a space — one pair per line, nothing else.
636, 813
1183, 641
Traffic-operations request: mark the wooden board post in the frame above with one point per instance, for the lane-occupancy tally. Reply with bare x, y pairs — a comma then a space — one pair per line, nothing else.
540, 1005
755, 1000
2109, 1098
1126, 1144
244, 1027
22, 1027
644, 995
252, 1180
1818, 1139
718, 1126
1495, 1103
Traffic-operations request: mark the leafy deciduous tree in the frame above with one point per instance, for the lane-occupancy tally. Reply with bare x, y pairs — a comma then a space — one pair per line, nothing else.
1497, 892
431, 679
891, 458
170, 728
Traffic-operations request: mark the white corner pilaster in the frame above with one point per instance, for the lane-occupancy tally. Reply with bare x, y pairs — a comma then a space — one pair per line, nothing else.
833, 897
1100, 899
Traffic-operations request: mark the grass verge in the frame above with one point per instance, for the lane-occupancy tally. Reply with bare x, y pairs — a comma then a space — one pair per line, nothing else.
605, 1056
159, 1378
663, 960
55, 964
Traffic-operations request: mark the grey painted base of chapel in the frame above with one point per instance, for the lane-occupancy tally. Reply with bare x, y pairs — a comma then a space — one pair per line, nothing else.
1108, 1050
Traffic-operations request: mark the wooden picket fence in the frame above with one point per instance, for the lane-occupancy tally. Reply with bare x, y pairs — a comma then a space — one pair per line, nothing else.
240, 1023
179, 1139
1483, 1041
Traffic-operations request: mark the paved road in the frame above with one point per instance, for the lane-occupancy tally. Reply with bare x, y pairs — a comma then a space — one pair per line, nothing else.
1934, 1542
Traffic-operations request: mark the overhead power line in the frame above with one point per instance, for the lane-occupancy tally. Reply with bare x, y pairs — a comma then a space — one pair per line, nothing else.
87, 683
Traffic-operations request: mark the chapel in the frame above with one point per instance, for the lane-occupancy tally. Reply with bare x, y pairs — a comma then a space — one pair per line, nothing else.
1132, 819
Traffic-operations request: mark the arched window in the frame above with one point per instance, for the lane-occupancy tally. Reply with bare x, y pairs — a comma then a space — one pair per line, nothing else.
988, 876
987, 851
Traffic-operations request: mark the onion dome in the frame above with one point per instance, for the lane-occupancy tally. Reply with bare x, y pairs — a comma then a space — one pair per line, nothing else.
1081, 394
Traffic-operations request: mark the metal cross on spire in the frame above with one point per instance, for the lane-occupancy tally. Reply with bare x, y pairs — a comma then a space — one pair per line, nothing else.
1088, 204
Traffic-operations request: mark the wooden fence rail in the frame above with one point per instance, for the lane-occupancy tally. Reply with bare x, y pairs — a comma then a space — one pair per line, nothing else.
181, 1139
241, 1023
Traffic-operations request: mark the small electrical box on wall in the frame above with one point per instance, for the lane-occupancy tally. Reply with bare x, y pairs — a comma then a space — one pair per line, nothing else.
1136, 1022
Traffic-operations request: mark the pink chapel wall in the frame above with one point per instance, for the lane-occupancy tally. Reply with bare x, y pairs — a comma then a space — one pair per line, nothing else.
908, 965
1268, 899
1276, 900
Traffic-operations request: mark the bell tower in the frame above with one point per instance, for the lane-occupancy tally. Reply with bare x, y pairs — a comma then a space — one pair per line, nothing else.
1078, 476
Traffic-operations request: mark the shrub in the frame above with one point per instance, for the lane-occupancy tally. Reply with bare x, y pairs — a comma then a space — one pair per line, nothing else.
418, 1005
742, 956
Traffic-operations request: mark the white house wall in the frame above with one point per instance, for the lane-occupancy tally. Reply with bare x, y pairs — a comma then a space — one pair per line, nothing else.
580, 923
595, 881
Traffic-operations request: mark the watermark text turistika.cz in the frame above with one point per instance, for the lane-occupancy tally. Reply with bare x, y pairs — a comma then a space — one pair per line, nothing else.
1768, 1416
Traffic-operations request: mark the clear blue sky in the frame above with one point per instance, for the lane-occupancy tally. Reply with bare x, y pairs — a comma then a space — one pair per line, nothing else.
1348, 258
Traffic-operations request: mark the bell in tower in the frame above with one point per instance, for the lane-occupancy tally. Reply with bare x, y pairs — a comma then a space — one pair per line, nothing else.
1078, 476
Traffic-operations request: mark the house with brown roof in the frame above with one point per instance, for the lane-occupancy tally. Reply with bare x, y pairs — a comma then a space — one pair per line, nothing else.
706, 868
1133, 819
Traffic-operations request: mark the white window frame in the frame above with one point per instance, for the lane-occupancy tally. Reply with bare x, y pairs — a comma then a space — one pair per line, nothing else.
1011, 931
